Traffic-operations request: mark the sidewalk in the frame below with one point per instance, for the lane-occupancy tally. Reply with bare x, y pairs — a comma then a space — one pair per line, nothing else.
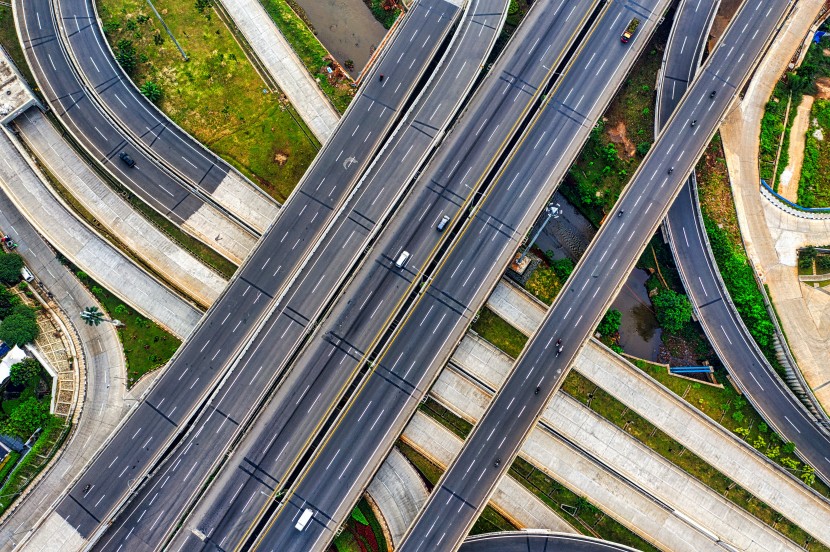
771, 235
147, 242
88, 250
106, 399
284, 66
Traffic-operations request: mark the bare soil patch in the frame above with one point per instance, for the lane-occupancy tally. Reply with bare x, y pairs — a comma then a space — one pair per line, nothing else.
619, 135
823, 87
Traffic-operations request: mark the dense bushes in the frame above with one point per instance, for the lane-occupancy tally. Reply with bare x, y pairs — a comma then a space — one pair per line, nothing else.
742, 287
10, 265
19, 327
674, 310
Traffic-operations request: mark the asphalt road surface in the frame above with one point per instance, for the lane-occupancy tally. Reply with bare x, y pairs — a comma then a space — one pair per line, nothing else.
87, 47
89, 125
228, 327
726, 331
463, 490
284, 428
345, 462
332, 260
538, 541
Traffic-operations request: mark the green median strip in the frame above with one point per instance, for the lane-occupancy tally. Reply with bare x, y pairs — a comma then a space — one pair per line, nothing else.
498, 332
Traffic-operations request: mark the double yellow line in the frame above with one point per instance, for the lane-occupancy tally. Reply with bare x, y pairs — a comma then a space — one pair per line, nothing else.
416, 282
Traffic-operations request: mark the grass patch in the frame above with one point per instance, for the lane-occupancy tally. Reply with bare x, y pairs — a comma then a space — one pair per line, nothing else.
446, 417
732, 411
499, 333
489, 521
774, 134
8, 38
586, 392
361, 532
576, 510
311, 52
620, 140
217, 96
814, 183
385, 11
38, 457
544, 283
147, 345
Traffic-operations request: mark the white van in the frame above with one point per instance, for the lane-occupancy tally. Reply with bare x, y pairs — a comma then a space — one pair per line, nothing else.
402, 258
26, 274
304, 519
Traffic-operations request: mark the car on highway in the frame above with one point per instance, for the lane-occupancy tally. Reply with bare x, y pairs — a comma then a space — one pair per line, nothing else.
443, 223
630, 30
402, 258
125, 157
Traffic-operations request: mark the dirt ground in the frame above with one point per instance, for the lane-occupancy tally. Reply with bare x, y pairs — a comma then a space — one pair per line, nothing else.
725, 12
788, 185
619, 135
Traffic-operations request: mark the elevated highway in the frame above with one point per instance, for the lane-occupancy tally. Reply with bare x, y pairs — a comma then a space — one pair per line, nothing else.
243, 310
459, 497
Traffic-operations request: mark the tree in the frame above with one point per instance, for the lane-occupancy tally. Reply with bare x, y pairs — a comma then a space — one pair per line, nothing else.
673, 310
806, 256
152, 91
7, 302
29, 415
93, 316
610, 323
563, 268
20, 327
10, 265
125, 55
25, 371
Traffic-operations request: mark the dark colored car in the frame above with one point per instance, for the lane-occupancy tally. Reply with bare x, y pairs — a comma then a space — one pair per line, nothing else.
125, 157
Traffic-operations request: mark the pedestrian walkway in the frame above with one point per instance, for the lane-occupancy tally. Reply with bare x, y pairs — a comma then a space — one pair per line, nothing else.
622, 457
103, 398
282, 63
91, 253
399, 493
771, 235
511, 498
165, 257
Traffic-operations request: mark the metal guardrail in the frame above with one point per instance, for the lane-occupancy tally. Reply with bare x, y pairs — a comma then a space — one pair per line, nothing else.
779, 197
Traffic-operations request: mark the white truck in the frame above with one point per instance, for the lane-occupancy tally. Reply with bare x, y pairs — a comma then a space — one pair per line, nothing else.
304, 519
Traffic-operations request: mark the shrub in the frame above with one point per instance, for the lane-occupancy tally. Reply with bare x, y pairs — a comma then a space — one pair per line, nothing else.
20, 327
673, 310
29, 415
25, 371
125, 55
7, 302
610, 323
152, 91
563, 268
10, 265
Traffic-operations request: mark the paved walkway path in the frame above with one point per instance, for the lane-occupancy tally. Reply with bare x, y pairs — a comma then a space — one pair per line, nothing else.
147, 242
88, 250
399, 493
284, 66
770, 234
106, 398
662, 408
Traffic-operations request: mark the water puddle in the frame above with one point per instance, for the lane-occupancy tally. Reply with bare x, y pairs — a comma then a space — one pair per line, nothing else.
639, 330
346, 28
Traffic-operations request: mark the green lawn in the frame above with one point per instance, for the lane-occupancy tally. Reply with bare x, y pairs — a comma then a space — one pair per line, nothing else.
611, 409
8, 38
445, 417
217, 95
146, 345
814, 183
544, 284
499, 333
310, 51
